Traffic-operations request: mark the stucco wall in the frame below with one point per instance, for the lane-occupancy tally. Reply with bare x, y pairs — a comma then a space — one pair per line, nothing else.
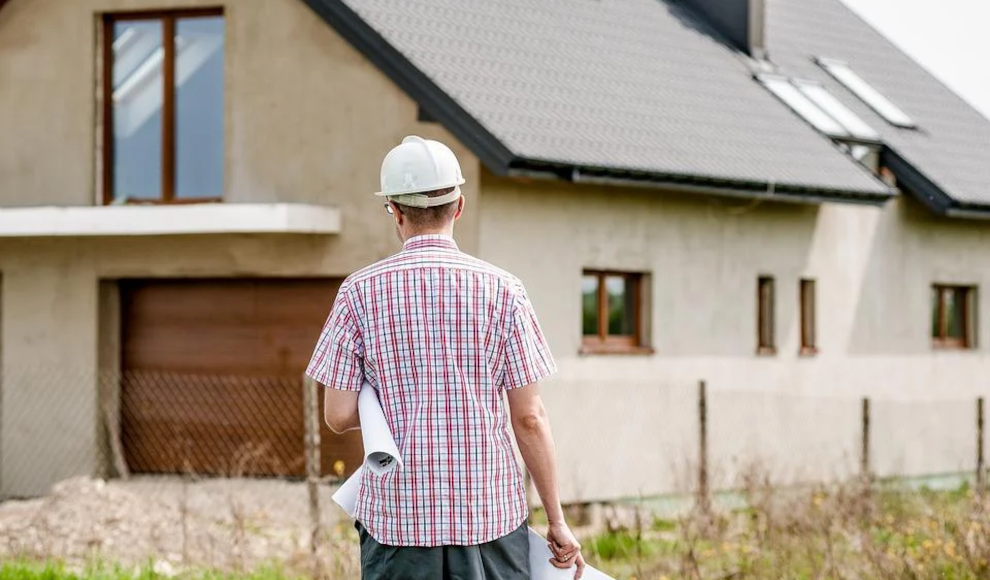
307, 119
800, 416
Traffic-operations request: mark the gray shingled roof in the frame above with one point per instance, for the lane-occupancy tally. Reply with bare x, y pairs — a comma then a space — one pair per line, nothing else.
627, 85
951, 147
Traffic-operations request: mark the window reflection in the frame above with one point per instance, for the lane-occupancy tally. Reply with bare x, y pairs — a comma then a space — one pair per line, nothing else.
167, 141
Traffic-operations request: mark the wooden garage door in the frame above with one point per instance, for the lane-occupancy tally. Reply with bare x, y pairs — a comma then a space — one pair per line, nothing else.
212, 376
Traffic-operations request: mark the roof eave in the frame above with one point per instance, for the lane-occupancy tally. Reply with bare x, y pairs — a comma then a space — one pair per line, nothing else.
434, 101
767, 190
922, 188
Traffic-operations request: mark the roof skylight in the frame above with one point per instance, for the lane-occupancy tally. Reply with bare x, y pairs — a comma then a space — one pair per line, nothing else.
815, 104
801, 105
865, 91
831, 105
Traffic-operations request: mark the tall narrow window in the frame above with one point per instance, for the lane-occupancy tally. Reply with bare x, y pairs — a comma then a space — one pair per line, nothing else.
611, 307
807, 299
953, 316
765, 316
163, 94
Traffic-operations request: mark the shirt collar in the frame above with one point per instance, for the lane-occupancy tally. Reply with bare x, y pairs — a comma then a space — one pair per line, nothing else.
430, 241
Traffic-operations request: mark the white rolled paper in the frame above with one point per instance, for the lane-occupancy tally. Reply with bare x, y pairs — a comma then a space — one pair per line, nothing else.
381, 454
346, 494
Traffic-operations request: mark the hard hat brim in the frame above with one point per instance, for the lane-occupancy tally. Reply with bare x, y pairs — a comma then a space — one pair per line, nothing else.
413, 190
423, 201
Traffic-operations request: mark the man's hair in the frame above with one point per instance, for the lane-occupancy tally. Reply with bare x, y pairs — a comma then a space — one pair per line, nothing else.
430, 217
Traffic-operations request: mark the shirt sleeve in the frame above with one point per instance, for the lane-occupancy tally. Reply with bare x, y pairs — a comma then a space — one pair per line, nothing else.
338, 360
527, 354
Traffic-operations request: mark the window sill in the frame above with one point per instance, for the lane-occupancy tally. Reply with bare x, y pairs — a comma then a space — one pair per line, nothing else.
952, 347
169, 220
766, 351
615, 349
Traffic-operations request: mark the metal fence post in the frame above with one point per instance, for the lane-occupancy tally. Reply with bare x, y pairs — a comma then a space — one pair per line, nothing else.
312, 449
703, 498
980, 421
865, 442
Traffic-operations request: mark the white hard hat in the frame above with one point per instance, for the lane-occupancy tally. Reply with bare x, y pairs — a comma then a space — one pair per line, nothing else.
419, 165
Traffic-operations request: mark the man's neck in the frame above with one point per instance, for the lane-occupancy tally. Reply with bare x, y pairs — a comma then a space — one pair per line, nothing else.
449, 232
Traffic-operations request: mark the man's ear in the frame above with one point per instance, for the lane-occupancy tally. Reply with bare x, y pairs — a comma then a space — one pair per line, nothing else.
398, 215
460, 208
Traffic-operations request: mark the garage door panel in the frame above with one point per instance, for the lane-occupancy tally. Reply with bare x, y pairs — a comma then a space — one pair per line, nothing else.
213, 376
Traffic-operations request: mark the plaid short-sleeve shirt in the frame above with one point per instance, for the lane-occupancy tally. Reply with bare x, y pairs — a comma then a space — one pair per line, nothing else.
441, 335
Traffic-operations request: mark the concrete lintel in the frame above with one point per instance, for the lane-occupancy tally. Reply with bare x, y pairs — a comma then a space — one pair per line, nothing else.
164, 220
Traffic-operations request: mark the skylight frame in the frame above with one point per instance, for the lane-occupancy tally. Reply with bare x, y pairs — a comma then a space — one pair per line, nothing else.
844, 74
812, 101
818, 94
795, 100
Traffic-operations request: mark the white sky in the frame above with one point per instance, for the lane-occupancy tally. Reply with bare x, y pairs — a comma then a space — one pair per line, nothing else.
948, 37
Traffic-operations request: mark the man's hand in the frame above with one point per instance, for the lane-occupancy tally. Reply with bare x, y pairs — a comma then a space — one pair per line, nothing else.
566, 549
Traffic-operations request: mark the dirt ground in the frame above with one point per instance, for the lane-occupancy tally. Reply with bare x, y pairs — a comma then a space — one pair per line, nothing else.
226, 524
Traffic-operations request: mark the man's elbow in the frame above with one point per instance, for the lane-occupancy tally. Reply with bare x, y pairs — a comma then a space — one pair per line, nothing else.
338, 422
531, 422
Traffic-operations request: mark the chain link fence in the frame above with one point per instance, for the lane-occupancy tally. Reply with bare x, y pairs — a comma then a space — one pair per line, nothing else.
236, 472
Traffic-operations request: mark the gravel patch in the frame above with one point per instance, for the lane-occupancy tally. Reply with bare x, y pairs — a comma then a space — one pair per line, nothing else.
224, 524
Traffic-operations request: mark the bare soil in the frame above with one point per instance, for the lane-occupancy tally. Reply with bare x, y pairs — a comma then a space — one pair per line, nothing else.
171, 523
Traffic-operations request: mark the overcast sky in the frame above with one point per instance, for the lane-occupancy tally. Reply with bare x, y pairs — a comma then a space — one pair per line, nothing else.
948, 37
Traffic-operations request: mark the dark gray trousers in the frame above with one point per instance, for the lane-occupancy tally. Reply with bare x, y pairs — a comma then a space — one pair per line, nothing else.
506, 558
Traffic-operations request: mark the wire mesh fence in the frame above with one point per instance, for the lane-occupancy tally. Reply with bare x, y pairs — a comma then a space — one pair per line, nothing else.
236, 472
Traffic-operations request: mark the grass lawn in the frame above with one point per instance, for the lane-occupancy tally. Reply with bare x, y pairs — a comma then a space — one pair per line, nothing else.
26, 570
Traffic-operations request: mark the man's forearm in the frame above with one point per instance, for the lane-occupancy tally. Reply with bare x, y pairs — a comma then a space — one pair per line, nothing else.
538, 451
340, 410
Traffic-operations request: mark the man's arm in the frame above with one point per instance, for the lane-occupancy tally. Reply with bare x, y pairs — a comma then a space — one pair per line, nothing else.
337, 365
340, 410
531, 426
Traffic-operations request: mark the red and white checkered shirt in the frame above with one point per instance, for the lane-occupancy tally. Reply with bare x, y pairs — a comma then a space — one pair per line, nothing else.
440, 334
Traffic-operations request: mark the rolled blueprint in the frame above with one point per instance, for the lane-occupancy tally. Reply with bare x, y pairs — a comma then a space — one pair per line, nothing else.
380, 451
346, 494
381, 454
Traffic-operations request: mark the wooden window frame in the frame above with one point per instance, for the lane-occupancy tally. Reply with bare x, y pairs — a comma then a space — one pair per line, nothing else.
604, 343
167, 19
807, 300
766, 345
968, 305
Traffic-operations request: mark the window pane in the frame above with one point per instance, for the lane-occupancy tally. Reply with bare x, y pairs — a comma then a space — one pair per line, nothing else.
137, 109
199, 78
802, 105
867, 92
765, 312
589, 305
621, 309
808, 313
834, 107
955, 311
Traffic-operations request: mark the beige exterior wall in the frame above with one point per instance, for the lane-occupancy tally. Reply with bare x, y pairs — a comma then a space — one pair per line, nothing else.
798, 415
307, 119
